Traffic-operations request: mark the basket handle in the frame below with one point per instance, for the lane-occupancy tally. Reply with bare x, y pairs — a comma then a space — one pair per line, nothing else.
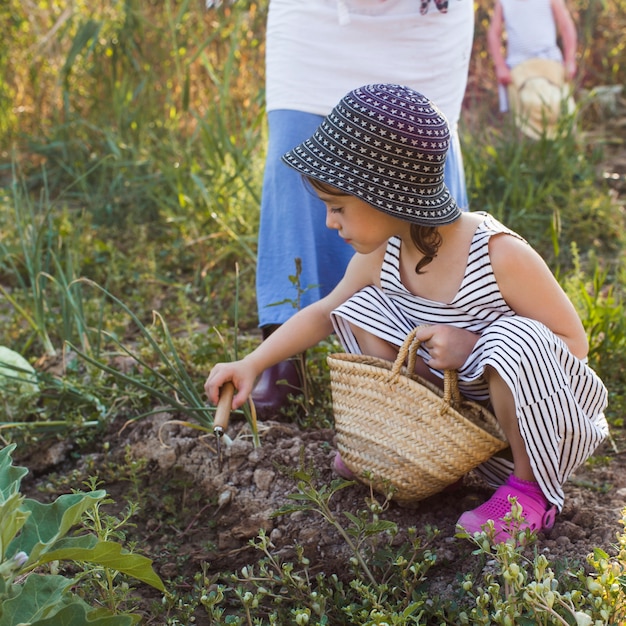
408, 353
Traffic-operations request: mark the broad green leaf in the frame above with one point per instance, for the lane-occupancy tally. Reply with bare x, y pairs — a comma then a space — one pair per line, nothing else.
12, 518
39, 597
77, 615
10, 476
412, 608
110, 554
17, 375
600, 555
49, 522
80, 542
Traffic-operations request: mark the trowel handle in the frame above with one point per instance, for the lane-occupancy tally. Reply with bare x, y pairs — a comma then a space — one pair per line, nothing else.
222, 412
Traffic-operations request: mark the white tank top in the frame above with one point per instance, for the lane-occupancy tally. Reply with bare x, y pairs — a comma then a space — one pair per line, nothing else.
318, 50
530, 31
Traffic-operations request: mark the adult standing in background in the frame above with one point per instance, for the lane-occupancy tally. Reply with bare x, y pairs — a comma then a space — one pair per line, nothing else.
316, 51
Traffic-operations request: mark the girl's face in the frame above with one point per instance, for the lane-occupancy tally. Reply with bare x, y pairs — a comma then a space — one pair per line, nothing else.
358, 223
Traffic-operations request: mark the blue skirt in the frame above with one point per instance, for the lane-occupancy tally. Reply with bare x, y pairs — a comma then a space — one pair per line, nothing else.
293, 224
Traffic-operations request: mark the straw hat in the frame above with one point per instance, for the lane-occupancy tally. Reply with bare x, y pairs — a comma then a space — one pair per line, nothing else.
387, 145
538, 95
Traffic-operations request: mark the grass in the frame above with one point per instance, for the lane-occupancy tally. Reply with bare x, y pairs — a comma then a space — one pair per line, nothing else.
132, 139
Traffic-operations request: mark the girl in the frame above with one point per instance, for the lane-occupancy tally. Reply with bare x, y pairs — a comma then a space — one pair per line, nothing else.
494, 310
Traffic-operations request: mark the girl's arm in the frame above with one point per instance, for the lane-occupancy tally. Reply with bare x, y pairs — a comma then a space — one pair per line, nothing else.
304, 330
569, 38
532, 291
494, 44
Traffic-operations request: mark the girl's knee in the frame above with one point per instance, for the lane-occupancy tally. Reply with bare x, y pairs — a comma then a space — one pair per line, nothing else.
489, 372
372, 345
500, 395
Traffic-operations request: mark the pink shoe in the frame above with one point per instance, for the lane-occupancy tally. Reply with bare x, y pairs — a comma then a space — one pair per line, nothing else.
536, 512
341, 469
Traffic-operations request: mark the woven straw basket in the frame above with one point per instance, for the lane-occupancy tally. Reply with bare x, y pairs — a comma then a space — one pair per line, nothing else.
404, 431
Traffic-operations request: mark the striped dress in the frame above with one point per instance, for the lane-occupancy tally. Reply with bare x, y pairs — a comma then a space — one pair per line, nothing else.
559, 399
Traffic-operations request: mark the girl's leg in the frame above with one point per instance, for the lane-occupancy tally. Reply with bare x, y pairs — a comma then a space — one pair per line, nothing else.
504, 410
377, 347
537, 513
372, 345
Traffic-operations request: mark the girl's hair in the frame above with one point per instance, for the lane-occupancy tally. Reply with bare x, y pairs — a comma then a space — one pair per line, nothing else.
427, 239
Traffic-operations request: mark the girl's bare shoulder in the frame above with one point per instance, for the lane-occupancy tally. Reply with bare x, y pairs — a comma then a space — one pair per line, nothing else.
513, 257
507, 243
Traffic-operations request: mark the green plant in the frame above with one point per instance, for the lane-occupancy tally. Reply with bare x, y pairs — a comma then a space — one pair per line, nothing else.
545, 190
138, 133
526, 591
175, 388
32, 266
18, 382
44, 266
103, 578
33, 535
313, 405
59, 408
598, 293
301, 359
175, 379
386, 582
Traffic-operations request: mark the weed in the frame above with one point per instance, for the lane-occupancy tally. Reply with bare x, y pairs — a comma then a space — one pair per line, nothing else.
545, 190
387, 583
521, 590
598, 295
296, 303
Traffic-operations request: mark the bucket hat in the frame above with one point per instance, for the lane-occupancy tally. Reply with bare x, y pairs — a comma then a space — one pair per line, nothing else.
538, 96
387, 145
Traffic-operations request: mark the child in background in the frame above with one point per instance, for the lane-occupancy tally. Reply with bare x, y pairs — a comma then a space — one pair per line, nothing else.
531, 28
493, 309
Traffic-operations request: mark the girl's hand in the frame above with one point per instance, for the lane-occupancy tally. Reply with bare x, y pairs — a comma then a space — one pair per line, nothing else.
239, 373
448, 346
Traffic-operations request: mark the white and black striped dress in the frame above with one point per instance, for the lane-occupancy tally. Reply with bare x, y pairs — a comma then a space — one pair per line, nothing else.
559, 399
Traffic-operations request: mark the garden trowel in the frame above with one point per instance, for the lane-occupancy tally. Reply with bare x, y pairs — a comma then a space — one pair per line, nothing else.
222, 415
